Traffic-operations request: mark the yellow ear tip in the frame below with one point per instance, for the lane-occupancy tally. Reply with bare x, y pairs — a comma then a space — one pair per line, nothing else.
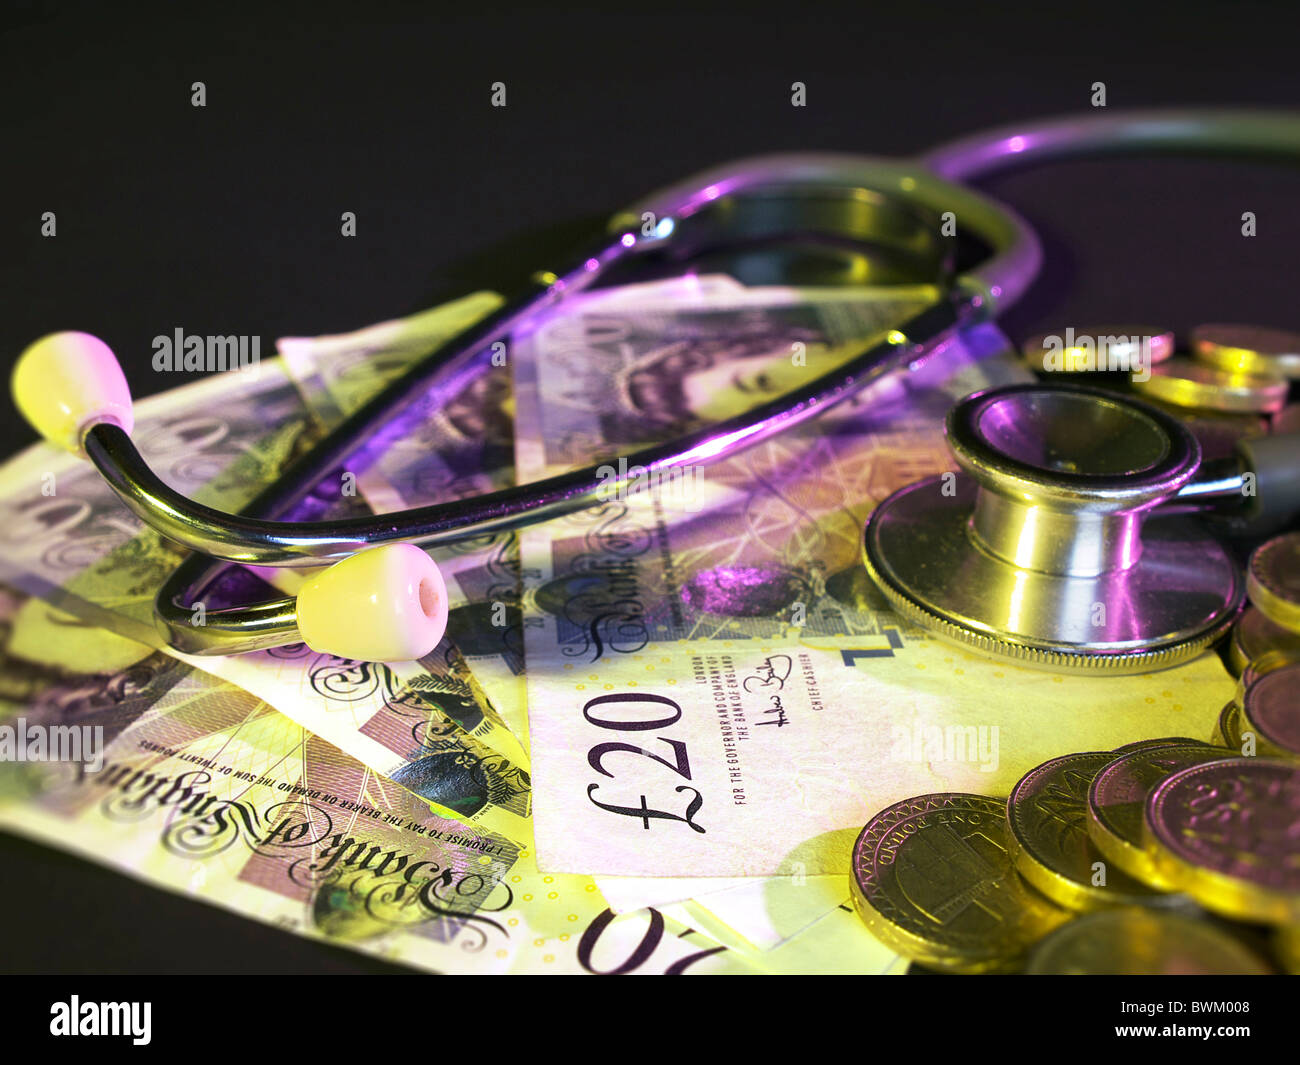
384, 604
66, 382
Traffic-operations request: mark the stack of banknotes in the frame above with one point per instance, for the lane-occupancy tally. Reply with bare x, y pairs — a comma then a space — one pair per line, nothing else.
654, 729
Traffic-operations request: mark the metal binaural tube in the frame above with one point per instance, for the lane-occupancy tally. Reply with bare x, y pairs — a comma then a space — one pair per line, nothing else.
253, 539
255, 627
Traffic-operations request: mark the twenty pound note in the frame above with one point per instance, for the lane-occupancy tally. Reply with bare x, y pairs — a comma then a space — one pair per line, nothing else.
715, 686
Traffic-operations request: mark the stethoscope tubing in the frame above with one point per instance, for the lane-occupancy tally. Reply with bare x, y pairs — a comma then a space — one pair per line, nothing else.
931, 180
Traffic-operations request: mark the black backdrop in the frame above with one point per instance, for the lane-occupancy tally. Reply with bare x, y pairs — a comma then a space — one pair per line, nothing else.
225, 219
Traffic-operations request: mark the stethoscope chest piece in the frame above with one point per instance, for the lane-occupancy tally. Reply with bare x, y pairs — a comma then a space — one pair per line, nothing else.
1045, 549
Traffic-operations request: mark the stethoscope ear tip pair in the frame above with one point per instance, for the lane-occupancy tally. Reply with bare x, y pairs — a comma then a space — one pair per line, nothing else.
1027, 556
382, 604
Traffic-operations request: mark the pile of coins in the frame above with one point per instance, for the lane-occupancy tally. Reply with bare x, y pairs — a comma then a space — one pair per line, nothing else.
1169, 855
1254, 638
1234, 382
1237, 369
1166, 855
1264, 652
1273, 581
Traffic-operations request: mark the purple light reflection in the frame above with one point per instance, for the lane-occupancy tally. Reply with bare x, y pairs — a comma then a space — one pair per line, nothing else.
719, 444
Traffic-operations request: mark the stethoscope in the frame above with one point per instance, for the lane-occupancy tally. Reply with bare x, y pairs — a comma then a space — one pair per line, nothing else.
1047, 560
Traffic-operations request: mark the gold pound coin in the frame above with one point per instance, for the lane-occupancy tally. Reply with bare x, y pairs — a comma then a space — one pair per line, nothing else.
1185, 383
1047, 813
1141, 942
1250, 349
1227, 731
1273, 581
1118, 795
932, 879
1270, 708
1146, 745
1225, 833
1254, 635
1261, 664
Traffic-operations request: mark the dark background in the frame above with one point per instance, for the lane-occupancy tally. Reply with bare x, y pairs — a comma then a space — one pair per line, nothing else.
225, 219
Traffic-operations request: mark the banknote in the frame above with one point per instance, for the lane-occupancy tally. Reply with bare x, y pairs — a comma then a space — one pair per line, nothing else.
380, 714
433, 451
341, 369
756, 916
835, 944
780, 526
719, 690
441, 451
628, 367
203, 789
65, 537
830, 939
632, 892
436, 452
765, 912
337, 374
218, 778
631, 332
760, 912
59, 673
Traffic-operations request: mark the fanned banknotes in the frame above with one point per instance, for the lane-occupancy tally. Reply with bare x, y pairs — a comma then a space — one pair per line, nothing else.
432, 454
64, 536
203, 789
376, 713
336, 374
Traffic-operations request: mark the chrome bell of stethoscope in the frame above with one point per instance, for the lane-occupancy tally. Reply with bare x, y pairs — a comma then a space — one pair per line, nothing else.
1050, 548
